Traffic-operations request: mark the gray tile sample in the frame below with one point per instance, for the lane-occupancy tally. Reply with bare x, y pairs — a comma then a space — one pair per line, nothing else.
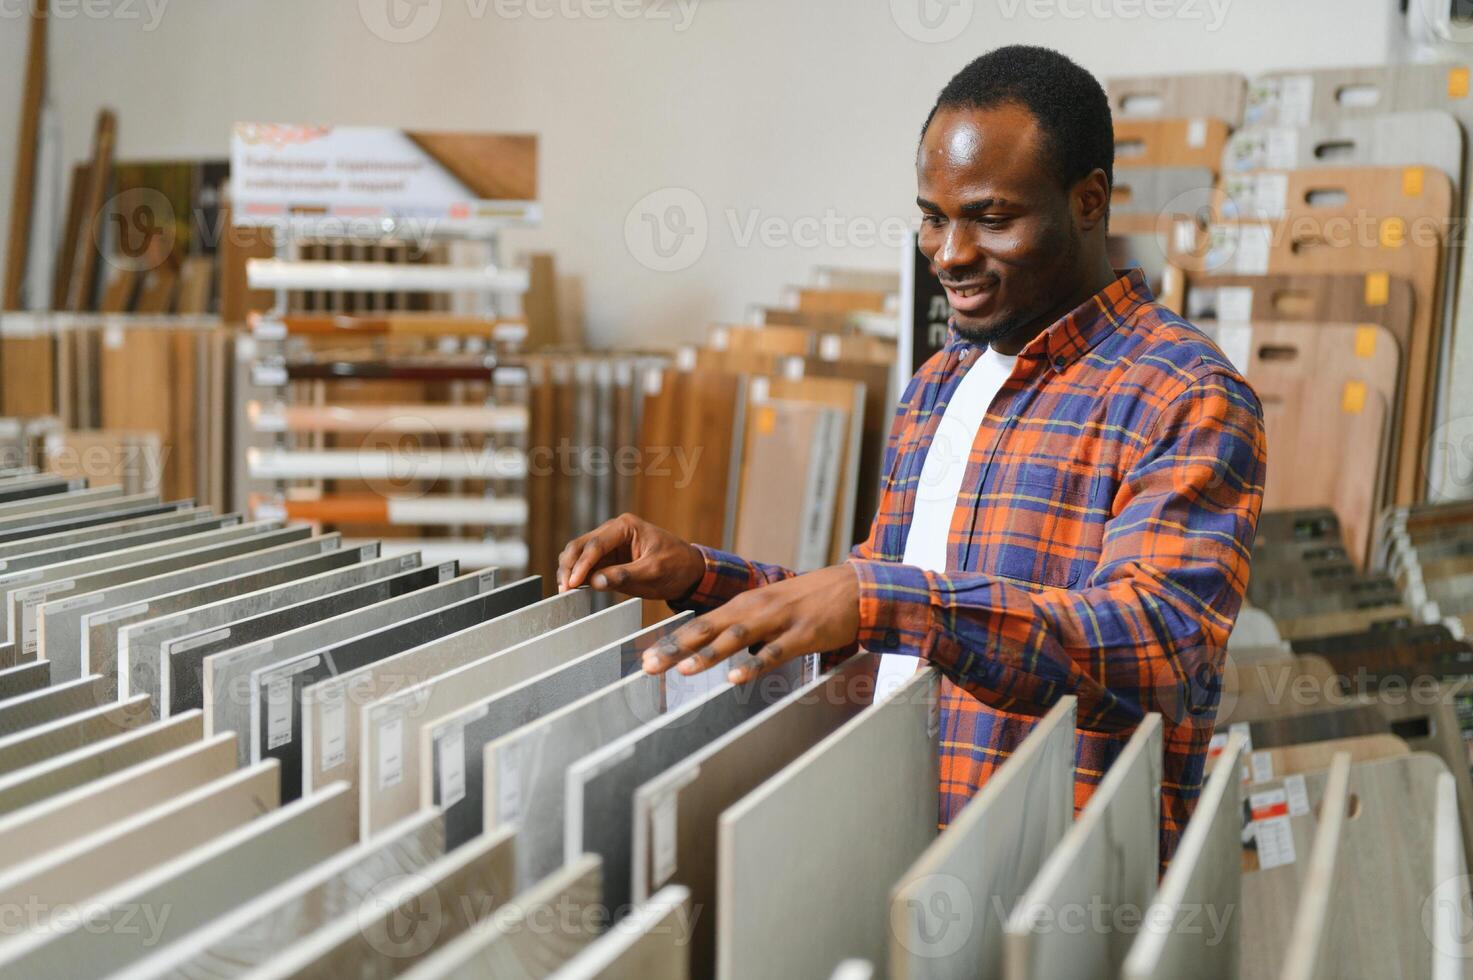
1319, 935
1202, 887
472, 663
101, 631
48, 704
78, 502
59, 617
525, 781
104, 524
793, 899
42, 551
248, 936
227, 674
676, 813
254, 619
196, 887
601, 786
24, 678
651, 943
61, 773
1108, 858
457, 742
948, 910
393, 933
53, 738
27, 487
276, 691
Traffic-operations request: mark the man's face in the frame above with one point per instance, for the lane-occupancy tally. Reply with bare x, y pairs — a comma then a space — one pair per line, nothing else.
996, 225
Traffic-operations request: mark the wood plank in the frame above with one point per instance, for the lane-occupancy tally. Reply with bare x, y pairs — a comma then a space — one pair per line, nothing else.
985, 859
70, 732
1220, 95
22, 200
195, 285
843, 909
66, 255
649, 944
99, 177
493, 166
1109, 857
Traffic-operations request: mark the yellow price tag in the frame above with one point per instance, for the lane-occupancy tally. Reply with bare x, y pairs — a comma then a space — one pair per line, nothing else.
1353, 398
1457, 83
1393, 233
1411, 181
766, 421
1365, 342
1378, 289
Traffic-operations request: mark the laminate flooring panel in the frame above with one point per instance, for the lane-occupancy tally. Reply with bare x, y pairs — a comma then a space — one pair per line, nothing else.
73, 731
276, 691
676, 812
1146, 192
197, 886
122, 849
23, 679
61, 773
389, 771
391, 935
1321, 298
72, 814
32, 487
1221, 95
226, 674
140, 643
1431, 724
526, 771
1191, 928
1319, 726
257, 616
1109, 857
511, 944
58, 614
28, 711
453, 746
1288, 760
792, 902
1424, 138
949, 908
650, 943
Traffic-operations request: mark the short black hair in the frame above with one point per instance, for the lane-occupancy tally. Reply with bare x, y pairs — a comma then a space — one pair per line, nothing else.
1072, 109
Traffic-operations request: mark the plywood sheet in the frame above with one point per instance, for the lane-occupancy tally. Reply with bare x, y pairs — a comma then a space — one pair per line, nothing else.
392, 934
389, 770
197, 887
842, 905
651, 943
1388, 139
275, 691
1109, 857
54, 821
1220, 95
948, 910
452, 746
72, 731
1191, 142
493, 166
21, 714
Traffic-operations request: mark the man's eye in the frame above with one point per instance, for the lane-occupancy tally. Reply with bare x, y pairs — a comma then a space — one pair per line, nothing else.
993, 221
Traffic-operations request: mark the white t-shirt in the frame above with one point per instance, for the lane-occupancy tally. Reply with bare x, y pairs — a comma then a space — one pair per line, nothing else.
941, 481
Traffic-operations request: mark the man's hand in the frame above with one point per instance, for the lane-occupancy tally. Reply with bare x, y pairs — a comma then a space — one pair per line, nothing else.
810, 613
631, 556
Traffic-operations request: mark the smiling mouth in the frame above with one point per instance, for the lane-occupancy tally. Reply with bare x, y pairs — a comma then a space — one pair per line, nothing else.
966, 292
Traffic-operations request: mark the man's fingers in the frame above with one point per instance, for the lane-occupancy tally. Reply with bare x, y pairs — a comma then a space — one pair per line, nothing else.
705, 642
774, 653
598, 546
567, 557
636, 578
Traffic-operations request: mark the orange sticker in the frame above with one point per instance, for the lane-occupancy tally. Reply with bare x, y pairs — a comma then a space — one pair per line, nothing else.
1365, 342
1393, 233
1457, 83
766, 421
1353, 398
1378, 289
1411, 182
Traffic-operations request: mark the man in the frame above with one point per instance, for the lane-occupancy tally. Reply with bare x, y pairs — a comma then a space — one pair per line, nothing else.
1071, 485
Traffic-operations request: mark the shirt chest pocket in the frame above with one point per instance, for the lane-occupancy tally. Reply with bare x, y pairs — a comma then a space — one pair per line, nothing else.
1042, 525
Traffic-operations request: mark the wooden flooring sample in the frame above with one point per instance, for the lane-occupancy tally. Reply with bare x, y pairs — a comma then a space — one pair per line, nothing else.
651, 943
28, 711
1192, 925
789, 483
1109, 857
948, 911
74, 731
1169, 143
1220, 95
390, 935
68, 815
252, 934
1322, 298
510, 945
792, 903
1287, 760
197, 887
390, 741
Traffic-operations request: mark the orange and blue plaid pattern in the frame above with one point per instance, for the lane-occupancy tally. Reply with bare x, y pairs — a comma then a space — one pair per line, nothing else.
1099, 545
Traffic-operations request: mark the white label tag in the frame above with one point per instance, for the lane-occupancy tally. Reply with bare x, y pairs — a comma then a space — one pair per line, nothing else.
1271, 194
266, 328
1236, 341
1280, 150
76, 602
1271, 828
279, 713
268, 375
663, 841
390, 752
1197, 133
1296, 100
1263, 766
1235, 304
452, 766
408, 561
509, 783
121, 612
447, 571
270, 420
334, 732
1297, 794
487, 579
202, 640
1254, 245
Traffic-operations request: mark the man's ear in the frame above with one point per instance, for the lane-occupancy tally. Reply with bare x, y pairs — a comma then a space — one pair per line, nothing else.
1092, 199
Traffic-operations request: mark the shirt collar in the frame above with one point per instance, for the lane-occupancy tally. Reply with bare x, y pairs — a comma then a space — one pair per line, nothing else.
1079, 331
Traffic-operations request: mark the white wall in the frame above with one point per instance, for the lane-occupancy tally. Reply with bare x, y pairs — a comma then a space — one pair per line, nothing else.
767, 109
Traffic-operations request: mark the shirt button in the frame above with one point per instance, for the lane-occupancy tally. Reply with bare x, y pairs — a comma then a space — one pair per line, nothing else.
892, 639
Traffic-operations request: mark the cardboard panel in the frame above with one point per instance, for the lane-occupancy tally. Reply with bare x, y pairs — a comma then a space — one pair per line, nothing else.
1110, 857
842, 908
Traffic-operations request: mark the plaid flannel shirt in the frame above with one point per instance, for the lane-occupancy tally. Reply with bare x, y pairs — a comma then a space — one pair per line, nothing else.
1099, 546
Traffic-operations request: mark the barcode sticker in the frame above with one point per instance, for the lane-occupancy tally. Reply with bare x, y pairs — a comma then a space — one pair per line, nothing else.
390, 752
202, 640
279, 713
1271, 828
452, 766
1297, 795
334, 731
1263, 766
120, 612
509, 783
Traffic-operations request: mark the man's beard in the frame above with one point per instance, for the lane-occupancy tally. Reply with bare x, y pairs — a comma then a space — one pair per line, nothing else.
998, 332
